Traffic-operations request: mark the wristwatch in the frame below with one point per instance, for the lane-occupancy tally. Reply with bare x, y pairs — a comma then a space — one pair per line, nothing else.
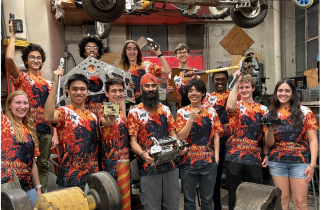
38, 186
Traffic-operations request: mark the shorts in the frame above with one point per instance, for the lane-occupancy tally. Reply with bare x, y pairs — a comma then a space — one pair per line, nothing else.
292, 170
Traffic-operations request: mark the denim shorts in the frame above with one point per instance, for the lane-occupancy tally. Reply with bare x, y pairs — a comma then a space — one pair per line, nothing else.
292, 170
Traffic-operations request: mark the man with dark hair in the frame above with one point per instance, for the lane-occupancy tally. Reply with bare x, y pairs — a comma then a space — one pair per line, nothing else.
244, 146
78, 132
201, 130
114, 130
182, 54
159, 184
38, 90
90, 46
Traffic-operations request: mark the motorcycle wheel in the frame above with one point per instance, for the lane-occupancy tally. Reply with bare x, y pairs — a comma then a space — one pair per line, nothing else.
102, 29
302, 4
250, 18
104, 11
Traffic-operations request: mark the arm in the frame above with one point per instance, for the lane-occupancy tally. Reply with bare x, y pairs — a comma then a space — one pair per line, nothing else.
217, 146
269, 136
138, 150
232, 98
166, 69
314, 149
54, 139
49, 113
265, 151
10, 53
35, 176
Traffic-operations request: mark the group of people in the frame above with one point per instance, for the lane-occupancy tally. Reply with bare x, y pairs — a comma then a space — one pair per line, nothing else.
223, 126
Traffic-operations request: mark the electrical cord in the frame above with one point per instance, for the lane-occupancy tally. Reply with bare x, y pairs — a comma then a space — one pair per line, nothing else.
126, 13
280, 12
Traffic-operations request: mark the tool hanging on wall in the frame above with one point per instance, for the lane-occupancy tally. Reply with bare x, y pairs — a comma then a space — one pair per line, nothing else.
249, 59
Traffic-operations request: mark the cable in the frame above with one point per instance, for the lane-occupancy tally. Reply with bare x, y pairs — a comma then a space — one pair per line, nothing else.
179, 8
126, 13
279, 11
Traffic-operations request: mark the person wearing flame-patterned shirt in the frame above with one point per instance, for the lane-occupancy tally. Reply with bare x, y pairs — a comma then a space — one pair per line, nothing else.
132, 60
159, 184
19, 145
244, 146
77, 131
294, 145
38, 90
114, 130
201, 130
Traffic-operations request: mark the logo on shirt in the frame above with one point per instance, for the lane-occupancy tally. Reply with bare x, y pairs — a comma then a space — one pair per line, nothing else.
177, 80
187, 115
142, 115
74, 118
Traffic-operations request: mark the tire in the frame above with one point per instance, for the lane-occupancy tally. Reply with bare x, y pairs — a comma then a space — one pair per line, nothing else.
104, 16
102, 29
250, 19
301, 5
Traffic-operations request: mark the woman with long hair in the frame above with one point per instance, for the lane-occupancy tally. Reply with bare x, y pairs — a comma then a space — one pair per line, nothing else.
132, 60
19, 145
294, 147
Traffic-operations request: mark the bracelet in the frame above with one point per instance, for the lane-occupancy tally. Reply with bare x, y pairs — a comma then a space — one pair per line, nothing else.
54, 125
38, 186
312, 167
160, 55
141, 155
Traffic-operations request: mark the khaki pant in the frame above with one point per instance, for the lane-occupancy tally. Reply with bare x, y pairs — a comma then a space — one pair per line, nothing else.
43, 159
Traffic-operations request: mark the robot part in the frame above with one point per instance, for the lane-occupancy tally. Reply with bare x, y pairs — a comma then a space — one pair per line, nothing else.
269, 121
166, 149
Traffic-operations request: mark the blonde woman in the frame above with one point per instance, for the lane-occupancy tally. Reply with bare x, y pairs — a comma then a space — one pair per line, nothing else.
19, 145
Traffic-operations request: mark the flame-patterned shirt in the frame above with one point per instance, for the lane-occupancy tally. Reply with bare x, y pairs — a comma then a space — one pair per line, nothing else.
291, 144
17, 157
78, 138
115, 144
94, 102
137, 72
180, 83
37, 88
200, 148
245, 143
144, 125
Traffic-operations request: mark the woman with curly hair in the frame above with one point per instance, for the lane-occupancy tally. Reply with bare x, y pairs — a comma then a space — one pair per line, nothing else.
19, 145
294, 147
132, 60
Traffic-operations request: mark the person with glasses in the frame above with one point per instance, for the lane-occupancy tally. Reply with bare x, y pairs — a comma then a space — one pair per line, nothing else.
37, 89
182, 54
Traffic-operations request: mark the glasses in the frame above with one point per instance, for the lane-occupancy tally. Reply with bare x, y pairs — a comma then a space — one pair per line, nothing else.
32, 57
91, 47
182, 53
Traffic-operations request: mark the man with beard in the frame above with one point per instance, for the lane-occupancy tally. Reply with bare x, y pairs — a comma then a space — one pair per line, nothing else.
159, 184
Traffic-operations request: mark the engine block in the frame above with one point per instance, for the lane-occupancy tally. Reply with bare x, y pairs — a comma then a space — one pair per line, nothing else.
166, 149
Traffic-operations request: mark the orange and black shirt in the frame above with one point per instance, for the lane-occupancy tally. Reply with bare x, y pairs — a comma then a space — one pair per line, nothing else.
78, 138
137, 72
245, 143
115, 144
144, 125
37, 89
17, 157
200, 148
292, 144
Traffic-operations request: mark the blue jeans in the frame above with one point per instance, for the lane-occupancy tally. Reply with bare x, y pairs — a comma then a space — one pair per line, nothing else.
292, 170
217, 188
32, 194
206, 178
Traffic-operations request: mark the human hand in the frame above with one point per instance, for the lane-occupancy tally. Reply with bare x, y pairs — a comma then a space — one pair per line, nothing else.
157, 52
192, 75
182, 152
271, 128
265, 161
38, 191
56, 73
11, 30
54, 142
169, 89
194, 114
131, 85
147, 158
310, 171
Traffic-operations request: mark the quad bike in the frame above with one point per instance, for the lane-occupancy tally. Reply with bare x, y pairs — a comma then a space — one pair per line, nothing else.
244, 13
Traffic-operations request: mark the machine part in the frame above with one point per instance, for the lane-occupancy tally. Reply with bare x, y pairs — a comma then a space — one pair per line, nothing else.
111, 109
102, 29
201, 107
219, 10
103, 187
192, 9
16, 199
61, 65
182, 9
166, 149
269, 121
93, 67
104, 11
257, 197
152, 44
249, 17
145, 3
302, 4
123, 168
15, 184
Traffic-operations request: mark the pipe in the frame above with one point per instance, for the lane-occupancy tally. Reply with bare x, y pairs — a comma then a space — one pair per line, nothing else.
277, 40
